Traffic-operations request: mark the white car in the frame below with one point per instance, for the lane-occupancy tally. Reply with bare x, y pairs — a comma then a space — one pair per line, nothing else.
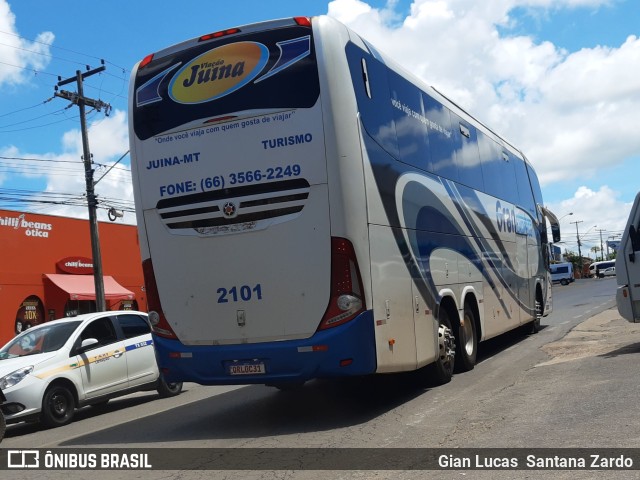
48, 371
3, 423
608, 272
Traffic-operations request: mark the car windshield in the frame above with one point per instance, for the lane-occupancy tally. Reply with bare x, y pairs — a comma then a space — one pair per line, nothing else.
48, 338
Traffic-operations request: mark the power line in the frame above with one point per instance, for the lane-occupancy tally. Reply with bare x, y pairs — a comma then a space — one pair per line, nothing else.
75, 162
41, 72
111, 167
55, 112
18, 197
28, 108
37, 72
51, 45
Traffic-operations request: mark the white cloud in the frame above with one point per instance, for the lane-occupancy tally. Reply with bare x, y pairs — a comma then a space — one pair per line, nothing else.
19, 55
573, 114
108, 141
594, 210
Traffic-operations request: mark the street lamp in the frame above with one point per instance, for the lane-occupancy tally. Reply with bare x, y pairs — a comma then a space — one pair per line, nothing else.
589, 230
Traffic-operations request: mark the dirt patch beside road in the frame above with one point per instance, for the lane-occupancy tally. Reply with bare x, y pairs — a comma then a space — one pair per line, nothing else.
599, 335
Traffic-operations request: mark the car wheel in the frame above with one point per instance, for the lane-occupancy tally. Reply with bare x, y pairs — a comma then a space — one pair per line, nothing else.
466, 342
58, 406
3, 426
564, 281
167, 390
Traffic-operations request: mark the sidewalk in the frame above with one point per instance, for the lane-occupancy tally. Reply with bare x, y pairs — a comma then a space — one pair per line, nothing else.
599, 335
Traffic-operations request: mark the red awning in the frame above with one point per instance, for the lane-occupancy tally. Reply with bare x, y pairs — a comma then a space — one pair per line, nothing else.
82, 287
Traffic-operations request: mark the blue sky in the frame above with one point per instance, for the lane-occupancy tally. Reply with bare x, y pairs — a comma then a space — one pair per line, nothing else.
558, 78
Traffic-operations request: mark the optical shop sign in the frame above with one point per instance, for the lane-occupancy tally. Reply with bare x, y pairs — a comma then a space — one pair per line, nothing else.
23, 224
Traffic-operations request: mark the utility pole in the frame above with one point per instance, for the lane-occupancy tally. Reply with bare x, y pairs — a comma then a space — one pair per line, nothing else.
579, 251
601, 244
82, 101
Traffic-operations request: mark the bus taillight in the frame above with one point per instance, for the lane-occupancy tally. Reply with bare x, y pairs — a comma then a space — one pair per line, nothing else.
158, 321
302, 21
346, 285
146, 61
221, 33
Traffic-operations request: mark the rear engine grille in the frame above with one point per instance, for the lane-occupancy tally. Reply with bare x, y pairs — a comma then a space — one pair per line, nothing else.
231, 210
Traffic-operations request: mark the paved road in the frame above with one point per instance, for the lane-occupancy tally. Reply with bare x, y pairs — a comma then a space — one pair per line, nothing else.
572, 385
581, 299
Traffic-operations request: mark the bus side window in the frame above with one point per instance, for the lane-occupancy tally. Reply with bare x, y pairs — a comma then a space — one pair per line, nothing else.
497, 169
372, 95
465, 141
441, 146
410, 122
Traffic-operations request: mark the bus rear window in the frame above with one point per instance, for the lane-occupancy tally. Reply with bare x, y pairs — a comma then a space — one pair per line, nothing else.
274, 69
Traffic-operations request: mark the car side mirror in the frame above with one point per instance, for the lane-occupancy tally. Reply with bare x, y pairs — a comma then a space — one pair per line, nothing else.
87, 344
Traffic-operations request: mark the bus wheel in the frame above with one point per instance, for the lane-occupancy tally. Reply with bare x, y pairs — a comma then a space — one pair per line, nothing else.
466, 341
535, 325
442, 369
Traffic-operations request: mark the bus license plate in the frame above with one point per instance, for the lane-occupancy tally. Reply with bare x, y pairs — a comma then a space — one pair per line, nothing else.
246, 368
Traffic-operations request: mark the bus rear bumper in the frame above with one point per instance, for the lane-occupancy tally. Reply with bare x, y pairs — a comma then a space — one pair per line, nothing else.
346, 350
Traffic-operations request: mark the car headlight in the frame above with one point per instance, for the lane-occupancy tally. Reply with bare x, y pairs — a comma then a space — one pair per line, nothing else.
15, 377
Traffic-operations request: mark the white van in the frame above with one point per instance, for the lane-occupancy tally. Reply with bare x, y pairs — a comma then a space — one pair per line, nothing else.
596, 269
562, 273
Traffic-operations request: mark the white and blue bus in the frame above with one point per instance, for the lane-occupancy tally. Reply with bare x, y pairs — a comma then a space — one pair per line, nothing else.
308, 209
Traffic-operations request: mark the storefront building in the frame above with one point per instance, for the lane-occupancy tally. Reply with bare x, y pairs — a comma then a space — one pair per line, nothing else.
46, 269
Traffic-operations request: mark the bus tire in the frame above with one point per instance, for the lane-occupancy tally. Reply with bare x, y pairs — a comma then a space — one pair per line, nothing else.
166, 389
535, 325
441, 370
466, 341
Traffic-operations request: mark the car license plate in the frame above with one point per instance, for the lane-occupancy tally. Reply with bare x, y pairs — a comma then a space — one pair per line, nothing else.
246, 368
